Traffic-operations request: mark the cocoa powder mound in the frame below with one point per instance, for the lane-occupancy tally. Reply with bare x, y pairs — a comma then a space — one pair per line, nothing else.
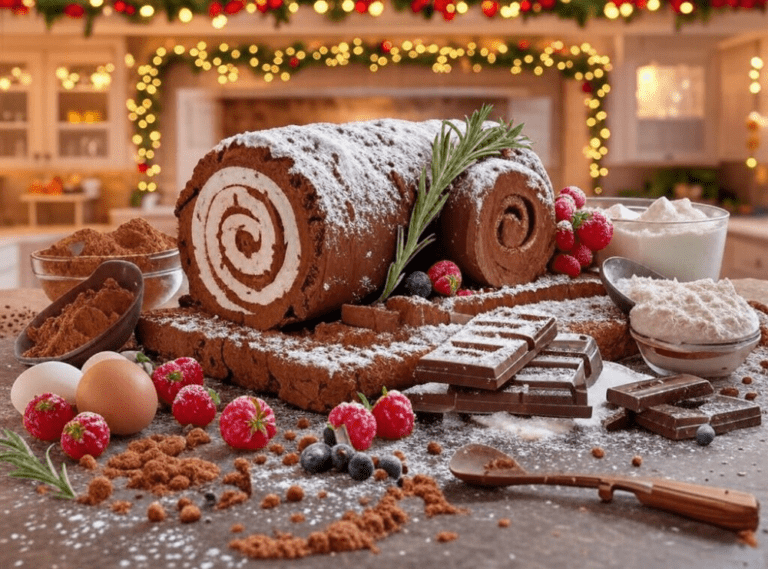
80, 321
135, 237
152, 464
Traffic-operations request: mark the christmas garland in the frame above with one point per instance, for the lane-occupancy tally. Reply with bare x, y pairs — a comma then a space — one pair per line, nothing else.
578, 62
281, 11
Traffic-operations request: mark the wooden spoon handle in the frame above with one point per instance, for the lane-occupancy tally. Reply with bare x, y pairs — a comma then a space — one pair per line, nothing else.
724, 508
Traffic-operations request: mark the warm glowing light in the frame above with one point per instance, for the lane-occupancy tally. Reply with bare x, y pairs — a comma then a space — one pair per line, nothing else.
185, 15
321, 6
686, 8
751, 162
376, 8
147, 11
756, 62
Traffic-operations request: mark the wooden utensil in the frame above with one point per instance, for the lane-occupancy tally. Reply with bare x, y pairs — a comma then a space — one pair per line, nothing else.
486, 466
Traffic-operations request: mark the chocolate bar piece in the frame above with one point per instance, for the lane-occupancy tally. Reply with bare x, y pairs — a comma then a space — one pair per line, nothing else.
580, 346
488, 350
642, 395
678, 422
553, 386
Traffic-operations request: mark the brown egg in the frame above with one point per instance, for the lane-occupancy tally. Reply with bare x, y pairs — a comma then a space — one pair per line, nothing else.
121, 392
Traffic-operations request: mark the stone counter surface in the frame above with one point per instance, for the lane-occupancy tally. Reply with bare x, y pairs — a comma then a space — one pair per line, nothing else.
549, 527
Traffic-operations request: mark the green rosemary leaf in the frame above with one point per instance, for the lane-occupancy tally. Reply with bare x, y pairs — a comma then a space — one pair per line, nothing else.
453, 151
28, 467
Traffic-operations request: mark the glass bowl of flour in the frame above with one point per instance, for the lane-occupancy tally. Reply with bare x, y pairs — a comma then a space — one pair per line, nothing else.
678, 238
700, 327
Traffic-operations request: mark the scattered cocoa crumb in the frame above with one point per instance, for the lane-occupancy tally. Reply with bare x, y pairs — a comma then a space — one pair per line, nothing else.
88, 462
322, 494
99, 489
364, 500
500, 464
399, 454
750, 395
237, 528
434, 448
504, 522
276, 448
197, 437
353, 531
305, 441
260, 459
748, 537
290, 459
764, 364
155, 512
121, 506
270, 501
231, 498
294, 494
241, 477
380, 475
297, 518
41, 489
289, 435
730, 391
302, 423
189, 514
746, 380
637, 460
184, 501
446, 536
598, 452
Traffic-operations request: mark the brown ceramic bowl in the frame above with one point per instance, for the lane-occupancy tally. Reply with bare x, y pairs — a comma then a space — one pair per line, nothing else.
129, 277
161, 271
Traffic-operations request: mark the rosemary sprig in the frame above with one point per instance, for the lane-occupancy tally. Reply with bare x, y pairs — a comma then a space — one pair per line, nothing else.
30, 468
449, 160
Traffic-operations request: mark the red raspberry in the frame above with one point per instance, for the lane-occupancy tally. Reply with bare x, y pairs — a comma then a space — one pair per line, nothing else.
394, 415
583, 254
360, 423
566, 264
195, 405
46, 415
87, 433
565, 207
593, 229
171, 376
247, 423
578, 195
445, 277
464, 292
564, 238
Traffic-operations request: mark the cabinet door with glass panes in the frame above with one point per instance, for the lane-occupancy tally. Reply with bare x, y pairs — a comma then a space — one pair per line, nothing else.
86, 116
21, 91
62, 109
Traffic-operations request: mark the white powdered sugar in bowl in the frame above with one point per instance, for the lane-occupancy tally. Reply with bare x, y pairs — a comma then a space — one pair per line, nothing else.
697, 312
677, 238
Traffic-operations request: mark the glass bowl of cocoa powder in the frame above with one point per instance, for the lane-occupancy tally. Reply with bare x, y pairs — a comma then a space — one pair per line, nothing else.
71, 260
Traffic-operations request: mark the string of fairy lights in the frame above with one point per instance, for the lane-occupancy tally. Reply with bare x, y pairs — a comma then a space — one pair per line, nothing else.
755, 121
218, 12
578, 62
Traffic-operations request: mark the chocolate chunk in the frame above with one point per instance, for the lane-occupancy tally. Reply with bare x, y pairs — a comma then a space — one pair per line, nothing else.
678, 422
642, 395
577, 346
488, 350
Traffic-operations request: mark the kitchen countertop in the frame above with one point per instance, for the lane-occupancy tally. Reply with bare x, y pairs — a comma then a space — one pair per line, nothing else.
548, 526
749, 226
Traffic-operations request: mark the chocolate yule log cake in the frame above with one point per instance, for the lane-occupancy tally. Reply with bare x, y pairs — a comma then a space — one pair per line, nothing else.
287, 224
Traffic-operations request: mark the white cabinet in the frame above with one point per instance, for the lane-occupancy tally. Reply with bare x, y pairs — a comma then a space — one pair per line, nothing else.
662, 102
63, 108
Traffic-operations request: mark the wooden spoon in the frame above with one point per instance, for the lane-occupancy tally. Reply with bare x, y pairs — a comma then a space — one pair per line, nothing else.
486, 466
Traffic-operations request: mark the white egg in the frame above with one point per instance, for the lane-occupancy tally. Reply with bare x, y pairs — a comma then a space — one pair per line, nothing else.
48, 377
98, 357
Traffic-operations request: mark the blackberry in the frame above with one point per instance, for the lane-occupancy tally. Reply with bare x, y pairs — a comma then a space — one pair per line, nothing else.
391, 465
360, 466
418, 283
329, 435
705, 434
341, 455
316, 458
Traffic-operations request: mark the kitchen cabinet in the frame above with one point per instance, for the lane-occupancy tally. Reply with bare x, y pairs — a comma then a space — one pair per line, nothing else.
63, 109
662, 108
746, 249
